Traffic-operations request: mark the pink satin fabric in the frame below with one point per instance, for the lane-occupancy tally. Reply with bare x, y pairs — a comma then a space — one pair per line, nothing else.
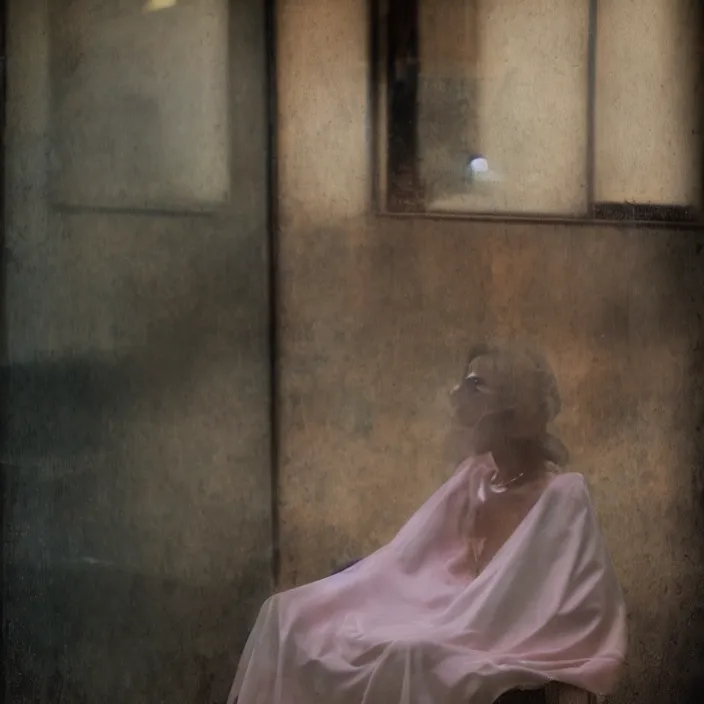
481, 592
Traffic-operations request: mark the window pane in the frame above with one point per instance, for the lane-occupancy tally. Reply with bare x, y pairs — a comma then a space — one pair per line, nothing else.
506, 83
139, 104
648, 136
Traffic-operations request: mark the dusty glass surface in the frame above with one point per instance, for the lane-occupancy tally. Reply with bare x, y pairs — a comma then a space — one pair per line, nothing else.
139, 104
181, 450
479, 96
525, 109
136, 456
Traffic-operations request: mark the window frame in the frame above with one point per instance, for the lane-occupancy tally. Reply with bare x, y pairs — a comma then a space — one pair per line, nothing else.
390, 198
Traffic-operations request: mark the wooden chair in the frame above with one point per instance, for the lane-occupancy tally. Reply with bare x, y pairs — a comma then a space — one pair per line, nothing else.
554, 693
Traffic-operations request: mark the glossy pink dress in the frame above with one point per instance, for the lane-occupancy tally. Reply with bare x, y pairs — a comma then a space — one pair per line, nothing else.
482, 591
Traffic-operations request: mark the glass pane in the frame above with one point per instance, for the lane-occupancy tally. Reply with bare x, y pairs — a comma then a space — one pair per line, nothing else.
121, 71
502, 105
648, 121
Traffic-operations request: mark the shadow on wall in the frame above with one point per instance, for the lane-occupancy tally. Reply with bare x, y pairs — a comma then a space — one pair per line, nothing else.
121, 478
93, 632
185, 334
684, 651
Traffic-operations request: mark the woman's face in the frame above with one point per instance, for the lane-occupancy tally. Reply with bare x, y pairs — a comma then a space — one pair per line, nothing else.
476, 398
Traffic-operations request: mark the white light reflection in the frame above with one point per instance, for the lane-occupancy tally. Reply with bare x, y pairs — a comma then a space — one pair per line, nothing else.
156, 5
479, 165
478, 171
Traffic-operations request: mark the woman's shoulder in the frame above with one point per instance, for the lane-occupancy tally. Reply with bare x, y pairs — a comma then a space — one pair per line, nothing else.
569, 484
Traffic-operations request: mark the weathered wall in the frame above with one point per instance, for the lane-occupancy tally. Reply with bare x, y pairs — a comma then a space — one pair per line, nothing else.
136, 463
377, 315
326, 155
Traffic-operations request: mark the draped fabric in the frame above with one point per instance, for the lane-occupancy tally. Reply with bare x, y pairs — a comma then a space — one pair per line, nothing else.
482, 591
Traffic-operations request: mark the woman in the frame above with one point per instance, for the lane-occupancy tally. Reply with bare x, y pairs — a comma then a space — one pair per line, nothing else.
501, 580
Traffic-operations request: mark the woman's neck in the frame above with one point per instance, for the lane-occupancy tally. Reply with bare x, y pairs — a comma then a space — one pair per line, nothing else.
515, 458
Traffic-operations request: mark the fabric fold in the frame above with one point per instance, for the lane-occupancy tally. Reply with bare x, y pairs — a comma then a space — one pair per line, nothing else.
480, 592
